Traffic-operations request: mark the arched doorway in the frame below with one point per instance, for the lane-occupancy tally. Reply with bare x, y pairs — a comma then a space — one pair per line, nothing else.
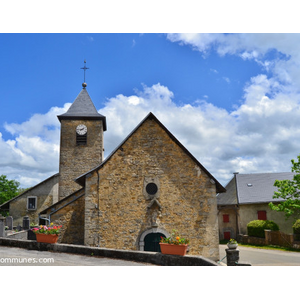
149, 239
151, 242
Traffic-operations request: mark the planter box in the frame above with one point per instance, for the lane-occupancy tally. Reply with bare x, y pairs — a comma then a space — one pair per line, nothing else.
46, 238
173, 249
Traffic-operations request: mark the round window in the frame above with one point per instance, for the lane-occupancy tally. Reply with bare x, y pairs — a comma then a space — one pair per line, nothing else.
151, 188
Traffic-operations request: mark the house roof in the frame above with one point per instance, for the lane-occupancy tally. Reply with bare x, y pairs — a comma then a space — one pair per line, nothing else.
228, 198
259, 188
151, 116
252, 188
83, 108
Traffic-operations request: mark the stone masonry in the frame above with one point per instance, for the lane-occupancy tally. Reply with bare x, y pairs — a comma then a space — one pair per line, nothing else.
118, 212
78, 159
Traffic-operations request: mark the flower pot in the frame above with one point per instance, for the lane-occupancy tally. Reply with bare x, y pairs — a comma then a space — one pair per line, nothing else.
232, 246
46, 238
173, 249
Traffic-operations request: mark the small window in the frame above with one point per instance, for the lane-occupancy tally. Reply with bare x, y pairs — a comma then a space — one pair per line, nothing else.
31, 203
81, 139
226, 218
261, 215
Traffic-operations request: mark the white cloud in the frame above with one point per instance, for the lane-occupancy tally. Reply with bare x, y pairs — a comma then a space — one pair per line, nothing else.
33, 153
262, 134
285, 66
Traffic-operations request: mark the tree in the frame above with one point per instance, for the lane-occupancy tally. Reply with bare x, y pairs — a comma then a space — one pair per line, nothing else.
289, 191
8, 189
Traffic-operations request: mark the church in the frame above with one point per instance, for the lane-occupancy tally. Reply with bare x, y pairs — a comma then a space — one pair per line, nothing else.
148, 186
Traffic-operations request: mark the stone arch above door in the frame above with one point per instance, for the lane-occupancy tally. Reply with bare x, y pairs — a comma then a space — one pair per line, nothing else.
146, 232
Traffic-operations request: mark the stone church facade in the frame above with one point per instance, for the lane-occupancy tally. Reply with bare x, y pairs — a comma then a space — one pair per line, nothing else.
148, 186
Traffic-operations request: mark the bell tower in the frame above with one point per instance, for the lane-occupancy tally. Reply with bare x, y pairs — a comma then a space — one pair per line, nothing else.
81, 141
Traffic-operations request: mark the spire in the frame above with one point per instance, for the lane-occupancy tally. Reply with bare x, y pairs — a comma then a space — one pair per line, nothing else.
83, 108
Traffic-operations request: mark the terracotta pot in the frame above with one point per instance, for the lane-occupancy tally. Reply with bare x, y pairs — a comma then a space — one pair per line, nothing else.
232, 246
46, 238
173, 249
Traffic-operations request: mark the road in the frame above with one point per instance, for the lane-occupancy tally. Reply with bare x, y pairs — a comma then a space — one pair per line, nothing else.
11, 256
262, 257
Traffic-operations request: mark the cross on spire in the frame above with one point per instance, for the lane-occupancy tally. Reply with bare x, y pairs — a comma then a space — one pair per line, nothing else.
84, 69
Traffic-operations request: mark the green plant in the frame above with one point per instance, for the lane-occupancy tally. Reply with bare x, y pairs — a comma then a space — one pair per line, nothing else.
296, 227
257, 227
174, 239
232, 241
288, 190
47, 229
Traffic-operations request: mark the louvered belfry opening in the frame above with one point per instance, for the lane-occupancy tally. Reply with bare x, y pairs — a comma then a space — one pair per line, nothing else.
81, 140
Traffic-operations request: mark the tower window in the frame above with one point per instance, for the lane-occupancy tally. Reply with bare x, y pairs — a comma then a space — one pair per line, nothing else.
81, 139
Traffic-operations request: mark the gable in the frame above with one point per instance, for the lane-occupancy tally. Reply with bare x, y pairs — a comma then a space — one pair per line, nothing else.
153, 136
230, 197
33, 190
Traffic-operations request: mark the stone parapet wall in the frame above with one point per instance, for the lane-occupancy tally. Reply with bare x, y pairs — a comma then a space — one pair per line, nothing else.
138, 256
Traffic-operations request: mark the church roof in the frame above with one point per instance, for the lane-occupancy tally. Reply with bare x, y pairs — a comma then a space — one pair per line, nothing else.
220, 189
83, 108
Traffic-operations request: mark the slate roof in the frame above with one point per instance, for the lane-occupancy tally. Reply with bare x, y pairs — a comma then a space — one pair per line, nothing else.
83, 108
259, 188
81, 179
252, 188
228, 198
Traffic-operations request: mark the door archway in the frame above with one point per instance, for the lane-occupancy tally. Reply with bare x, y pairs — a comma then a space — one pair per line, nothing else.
151, 242
149, 239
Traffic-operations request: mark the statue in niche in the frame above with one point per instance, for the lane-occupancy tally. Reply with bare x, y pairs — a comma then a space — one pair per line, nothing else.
153, 212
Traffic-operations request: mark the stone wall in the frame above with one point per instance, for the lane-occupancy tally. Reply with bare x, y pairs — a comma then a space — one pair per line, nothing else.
70, 214
118, 212
46, 193
272, 238
75, 160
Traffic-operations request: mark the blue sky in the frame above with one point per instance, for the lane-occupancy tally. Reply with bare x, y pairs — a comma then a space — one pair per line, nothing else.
43, 70
231, 99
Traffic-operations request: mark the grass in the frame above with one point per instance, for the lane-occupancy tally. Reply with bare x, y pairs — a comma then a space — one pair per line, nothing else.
268, 247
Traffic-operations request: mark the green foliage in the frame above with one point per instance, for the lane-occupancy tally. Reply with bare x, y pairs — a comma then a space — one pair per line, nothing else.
8, 189
257, 227
232, 241
296, 227
174, 238
289, 191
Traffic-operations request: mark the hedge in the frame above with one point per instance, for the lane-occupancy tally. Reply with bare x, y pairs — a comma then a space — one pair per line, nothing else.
296, 227
257, 227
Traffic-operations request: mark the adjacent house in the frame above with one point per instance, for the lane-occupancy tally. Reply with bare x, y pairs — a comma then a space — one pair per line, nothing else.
247, 197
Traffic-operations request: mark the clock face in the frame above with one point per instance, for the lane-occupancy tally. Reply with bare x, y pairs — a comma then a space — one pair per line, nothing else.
81, 129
